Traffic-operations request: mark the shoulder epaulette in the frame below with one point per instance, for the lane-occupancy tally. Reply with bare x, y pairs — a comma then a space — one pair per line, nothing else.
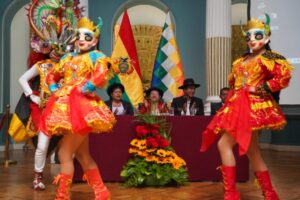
271, 55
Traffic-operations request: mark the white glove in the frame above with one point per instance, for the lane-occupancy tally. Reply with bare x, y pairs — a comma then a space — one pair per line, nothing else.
35, 99
24, 80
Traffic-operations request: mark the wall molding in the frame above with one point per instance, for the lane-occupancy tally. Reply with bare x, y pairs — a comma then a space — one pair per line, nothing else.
276, 147
6, 21
12, 147
131, 3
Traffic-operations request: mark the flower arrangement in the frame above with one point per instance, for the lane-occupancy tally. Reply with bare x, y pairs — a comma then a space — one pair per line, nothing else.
154, 161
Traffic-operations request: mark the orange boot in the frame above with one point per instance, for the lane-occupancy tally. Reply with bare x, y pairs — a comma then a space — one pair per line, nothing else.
230, 191
94, 179
64, 182
264, 181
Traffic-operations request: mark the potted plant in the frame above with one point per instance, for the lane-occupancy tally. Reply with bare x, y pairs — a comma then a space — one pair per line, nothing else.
154, 162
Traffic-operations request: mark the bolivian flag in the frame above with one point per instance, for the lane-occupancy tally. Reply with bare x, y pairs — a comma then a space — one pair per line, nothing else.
128, 70
18, 128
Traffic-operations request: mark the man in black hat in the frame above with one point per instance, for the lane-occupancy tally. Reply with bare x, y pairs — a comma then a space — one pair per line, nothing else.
188, 104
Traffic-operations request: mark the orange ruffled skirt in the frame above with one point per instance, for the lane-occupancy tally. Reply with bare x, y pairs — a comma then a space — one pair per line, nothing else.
76, 113
242, 114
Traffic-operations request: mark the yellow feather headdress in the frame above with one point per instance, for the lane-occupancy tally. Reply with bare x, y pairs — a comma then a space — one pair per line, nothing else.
257, 23
88, 24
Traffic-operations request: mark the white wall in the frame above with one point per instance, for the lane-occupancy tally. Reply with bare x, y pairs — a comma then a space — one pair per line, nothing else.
19, 50
285, 30
85, 4
145, 14
238, 13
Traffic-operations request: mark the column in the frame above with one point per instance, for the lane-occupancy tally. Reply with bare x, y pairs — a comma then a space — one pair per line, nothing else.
218, 48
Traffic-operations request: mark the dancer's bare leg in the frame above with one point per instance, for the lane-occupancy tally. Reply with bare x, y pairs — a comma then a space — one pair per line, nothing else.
83, 156
225, 146
69, 145
254, 155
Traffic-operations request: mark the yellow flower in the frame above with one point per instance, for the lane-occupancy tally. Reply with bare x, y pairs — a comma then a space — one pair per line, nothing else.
150, 150
134, 142
176, 161
142, 153
149, 158
176, 165
162, 160
161, 153
141, 144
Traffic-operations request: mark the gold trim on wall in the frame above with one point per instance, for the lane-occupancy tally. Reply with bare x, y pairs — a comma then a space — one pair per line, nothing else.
239, 44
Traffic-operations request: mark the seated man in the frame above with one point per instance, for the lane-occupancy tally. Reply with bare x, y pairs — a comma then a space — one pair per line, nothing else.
116, 104
214, 107
188, 104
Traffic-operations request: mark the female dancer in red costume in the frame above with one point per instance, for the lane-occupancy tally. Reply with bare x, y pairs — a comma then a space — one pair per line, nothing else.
74, 110
250, 107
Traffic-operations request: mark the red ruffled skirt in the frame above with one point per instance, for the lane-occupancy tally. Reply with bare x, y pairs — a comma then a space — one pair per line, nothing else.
241, 114
76, 113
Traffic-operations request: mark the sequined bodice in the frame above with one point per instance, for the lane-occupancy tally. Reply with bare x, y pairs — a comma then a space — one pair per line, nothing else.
248, 74
77, 68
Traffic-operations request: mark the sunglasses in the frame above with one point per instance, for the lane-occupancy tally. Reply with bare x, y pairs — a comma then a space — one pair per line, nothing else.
87, 36
258, 35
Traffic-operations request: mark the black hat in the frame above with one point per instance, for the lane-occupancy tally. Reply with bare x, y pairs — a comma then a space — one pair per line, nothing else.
160, 92
189, 82
114, 86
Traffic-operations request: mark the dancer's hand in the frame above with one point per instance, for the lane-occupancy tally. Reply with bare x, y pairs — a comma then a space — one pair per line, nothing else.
252, 89
35, 99
88, 87
53, 87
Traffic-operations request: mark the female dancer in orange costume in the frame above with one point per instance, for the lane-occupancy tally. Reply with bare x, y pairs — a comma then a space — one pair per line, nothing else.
250, 107
74, 110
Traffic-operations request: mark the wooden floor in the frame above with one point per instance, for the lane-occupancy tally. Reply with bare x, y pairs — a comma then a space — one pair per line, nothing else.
15, 182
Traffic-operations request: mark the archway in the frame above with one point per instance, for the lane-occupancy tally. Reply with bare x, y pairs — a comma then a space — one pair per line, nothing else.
147, 19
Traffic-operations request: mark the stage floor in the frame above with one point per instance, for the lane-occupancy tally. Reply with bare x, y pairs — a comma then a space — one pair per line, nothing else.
15, 182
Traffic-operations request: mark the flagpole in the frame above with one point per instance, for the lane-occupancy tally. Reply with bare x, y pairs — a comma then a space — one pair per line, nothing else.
7, 161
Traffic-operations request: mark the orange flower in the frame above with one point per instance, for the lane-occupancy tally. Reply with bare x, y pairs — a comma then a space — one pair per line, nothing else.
142, 153
133, 150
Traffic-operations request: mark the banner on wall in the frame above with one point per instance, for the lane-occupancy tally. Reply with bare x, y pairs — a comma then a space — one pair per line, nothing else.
168, 72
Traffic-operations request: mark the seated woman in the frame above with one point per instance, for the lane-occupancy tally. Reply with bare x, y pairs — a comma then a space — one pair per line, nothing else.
153, 103
115, 103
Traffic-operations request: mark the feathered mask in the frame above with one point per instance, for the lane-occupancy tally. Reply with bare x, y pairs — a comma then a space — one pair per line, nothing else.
53, 23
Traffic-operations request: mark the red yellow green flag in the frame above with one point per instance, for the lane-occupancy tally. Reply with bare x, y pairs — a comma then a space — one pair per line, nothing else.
128, 72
